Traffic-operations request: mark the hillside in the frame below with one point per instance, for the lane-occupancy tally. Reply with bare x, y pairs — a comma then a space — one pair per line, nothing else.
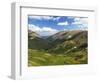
36, 42
65, 47
63, 41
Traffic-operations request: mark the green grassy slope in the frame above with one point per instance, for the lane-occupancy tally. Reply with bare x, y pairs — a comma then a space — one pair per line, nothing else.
63, 48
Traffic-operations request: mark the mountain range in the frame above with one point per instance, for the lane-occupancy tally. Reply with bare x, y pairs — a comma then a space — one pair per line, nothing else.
68, 43
59, 42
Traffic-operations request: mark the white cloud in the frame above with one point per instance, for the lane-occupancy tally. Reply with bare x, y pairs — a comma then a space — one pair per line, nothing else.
77, 19
44, 31
63, 23
34, 27
45, 18
82, 22
41, 17
48, 29
35, 17
70, 17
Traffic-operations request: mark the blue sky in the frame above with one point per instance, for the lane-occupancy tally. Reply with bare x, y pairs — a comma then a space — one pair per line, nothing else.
49, 25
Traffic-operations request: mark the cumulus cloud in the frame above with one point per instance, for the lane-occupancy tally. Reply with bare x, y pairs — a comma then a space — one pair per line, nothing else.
82, 22
63, 23
44, 31
44, 18
33, 27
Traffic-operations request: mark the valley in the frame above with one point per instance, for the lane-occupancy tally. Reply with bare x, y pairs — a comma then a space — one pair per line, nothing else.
62, 48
